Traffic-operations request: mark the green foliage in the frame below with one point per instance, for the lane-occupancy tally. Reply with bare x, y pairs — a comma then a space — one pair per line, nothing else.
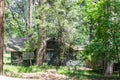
23, 69
14, 19
30, 69
105, 43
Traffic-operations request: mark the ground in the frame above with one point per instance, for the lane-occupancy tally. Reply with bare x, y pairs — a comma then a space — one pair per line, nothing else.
47, 72
8, 78
50, 74
47, 75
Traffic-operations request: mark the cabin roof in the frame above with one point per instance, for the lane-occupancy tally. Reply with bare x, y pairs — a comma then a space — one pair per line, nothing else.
78, 47
16, 44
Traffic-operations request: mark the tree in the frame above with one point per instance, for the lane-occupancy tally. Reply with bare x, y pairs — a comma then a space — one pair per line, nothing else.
30, 27
55, 18
104, 46
42, 35
1, 34
16, 18
105, 34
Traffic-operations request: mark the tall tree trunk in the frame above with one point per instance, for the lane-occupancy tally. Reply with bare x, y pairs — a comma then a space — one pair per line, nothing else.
41, 48
1, 34
109, 68
60, 43
60, 51
30, 13
42, 37
109, 63
30, 26
91, 31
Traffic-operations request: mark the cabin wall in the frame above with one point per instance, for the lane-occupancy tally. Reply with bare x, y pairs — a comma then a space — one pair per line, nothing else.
25, 58
22, 58
16, 58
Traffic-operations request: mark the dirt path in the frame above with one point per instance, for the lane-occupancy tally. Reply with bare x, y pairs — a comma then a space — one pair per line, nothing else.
50, 74
9, 78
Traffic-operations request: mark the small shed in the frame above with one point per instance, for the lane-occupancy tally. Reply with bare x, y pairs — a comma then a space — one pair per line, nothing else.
18, 54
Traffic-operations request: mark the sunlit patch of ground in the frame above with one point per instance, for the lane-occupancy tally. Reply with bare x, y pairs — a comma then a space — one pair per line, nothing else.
9, 78
84, 68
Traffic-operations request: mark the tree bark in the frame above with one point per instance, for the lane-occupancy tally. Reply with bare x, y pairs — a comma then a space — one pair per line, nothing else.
1, 34
30, 26
30, 13
91, 31
109, 68
41, 48
42, 37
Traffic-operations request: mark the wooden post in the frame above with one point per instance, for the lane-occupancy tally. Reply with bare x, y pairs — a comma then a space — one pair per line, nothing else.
1, 34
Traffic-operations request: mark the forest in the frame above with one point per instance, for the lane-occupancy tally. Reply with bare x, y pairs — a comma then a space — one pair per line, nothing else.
60, 39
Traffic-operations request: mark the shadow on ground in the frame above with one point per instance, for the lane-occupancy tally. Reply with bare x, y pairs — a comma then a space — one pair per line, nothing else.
89, 75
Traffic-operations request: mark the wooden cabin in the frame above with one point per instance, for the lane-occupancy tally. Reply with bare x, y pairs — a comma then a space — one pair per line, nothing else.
52, 52
18, 54
20, 57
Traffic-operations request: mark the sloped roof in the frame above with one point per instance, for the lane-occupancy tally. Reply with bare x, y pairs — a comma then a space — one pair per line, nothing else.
78, 47
15, 44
